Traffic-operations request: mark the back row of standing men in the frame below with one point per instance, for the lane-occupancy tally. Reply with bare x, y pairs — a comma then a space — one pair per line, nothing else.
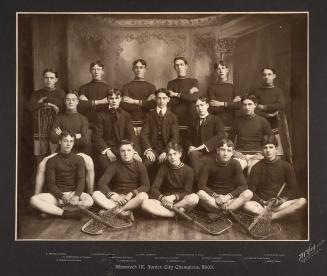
111, 115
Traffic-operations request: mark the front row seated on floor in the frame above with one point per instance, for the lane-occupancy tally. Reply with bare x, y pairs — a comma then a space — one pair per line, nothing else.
266, 179
125, 183
65, 179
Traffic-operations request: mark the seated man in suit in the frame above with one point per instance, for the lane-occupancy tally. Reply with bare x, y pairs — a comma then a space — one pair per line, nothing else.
93, 95
249, 129
266, 179
65, 182
160, 128
125, 183
203, 136
172, 186
112, 125
222, 184
76, 123
138, 95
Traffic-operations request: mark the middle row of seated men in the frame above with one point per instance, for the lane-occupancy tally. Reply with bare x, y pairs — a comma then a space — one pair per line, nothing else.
125, 185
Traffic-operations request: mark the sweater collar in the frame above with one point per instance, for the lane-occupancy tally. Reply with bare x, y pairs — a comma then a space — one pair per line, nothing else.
181, 165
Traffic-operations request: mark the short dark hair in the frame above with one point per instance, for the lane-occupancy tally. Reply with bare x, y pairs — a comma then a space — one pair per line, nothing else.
269, 139
125, 142
113, 91
97, 62
66, 133
50, 70
268, 68
251, 97
203, 99
226, 141
162, 90
139, 60
221, 62
70, 91
181, 58
175, 146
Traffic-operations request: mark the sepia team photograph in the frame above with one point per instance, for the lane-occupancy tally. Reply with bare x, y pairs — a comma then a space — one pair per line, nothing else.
162, 126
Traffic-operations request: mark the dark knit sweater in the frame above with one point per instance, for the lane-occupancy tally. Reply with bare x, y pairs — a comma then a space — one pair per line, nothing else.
138, 90
272, 98
170, 180
122, 178
249, 132
94, 90
266, 179
223, 92
55, 96
75, 123
65, 173
183, 107
222, 178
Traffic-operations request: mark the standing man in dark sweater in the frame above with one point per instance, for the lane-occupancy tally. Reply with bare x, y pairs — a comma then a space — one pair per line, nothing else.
138, 95
271, 101
44, 105
112, 125
249, 130
93, 95
204, 135
76, 123
172, 186
65, 180
222, 184
160, 128
222, 95
125, 182
266, 179
184, 92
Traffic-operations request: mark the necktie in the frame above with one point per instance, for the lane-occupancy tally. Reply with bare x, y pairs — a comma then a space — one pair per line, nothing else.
160, 114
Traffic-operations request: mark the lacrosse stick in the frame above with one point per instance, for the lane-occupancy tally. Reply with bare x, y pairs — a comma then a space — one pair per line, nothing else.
99, 223
211, 226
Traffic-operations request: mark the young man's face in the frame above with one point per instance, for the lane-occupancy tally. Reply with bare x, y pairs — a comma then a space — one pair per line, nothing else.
66, 144
201, 108
162, 100
268, 76
139, 70
71, 102
222, 71
225, 153
126, 153
174, 157
97, 72
269, 152
50, 80
180, 68
248, 107
114, 101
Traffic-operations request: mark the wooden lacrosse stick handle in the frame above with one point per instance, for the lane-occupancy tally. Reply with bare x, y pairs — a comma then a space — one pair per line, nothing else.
240, 223
268, 207
95, 217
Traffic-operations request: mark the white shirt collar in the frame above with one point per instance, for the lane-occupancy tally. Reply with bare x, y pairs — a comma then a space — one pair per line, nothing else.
163, 110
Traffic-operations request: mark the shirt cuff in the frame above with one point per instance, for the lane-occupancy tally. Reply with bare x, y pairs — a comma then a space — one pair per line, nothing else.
105, 151
147, 151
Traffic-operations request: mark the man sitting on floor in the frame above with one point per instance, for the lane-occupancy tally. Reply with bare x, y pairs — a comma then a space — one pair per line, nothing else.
76, 123
266, 179
222, 184
65, 181
125, 183
172, 186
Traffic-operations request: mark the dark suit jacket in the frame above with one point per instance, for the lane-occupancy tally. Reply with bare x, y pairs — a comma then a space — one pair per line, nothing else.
108, 132
170, 133
212, 130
